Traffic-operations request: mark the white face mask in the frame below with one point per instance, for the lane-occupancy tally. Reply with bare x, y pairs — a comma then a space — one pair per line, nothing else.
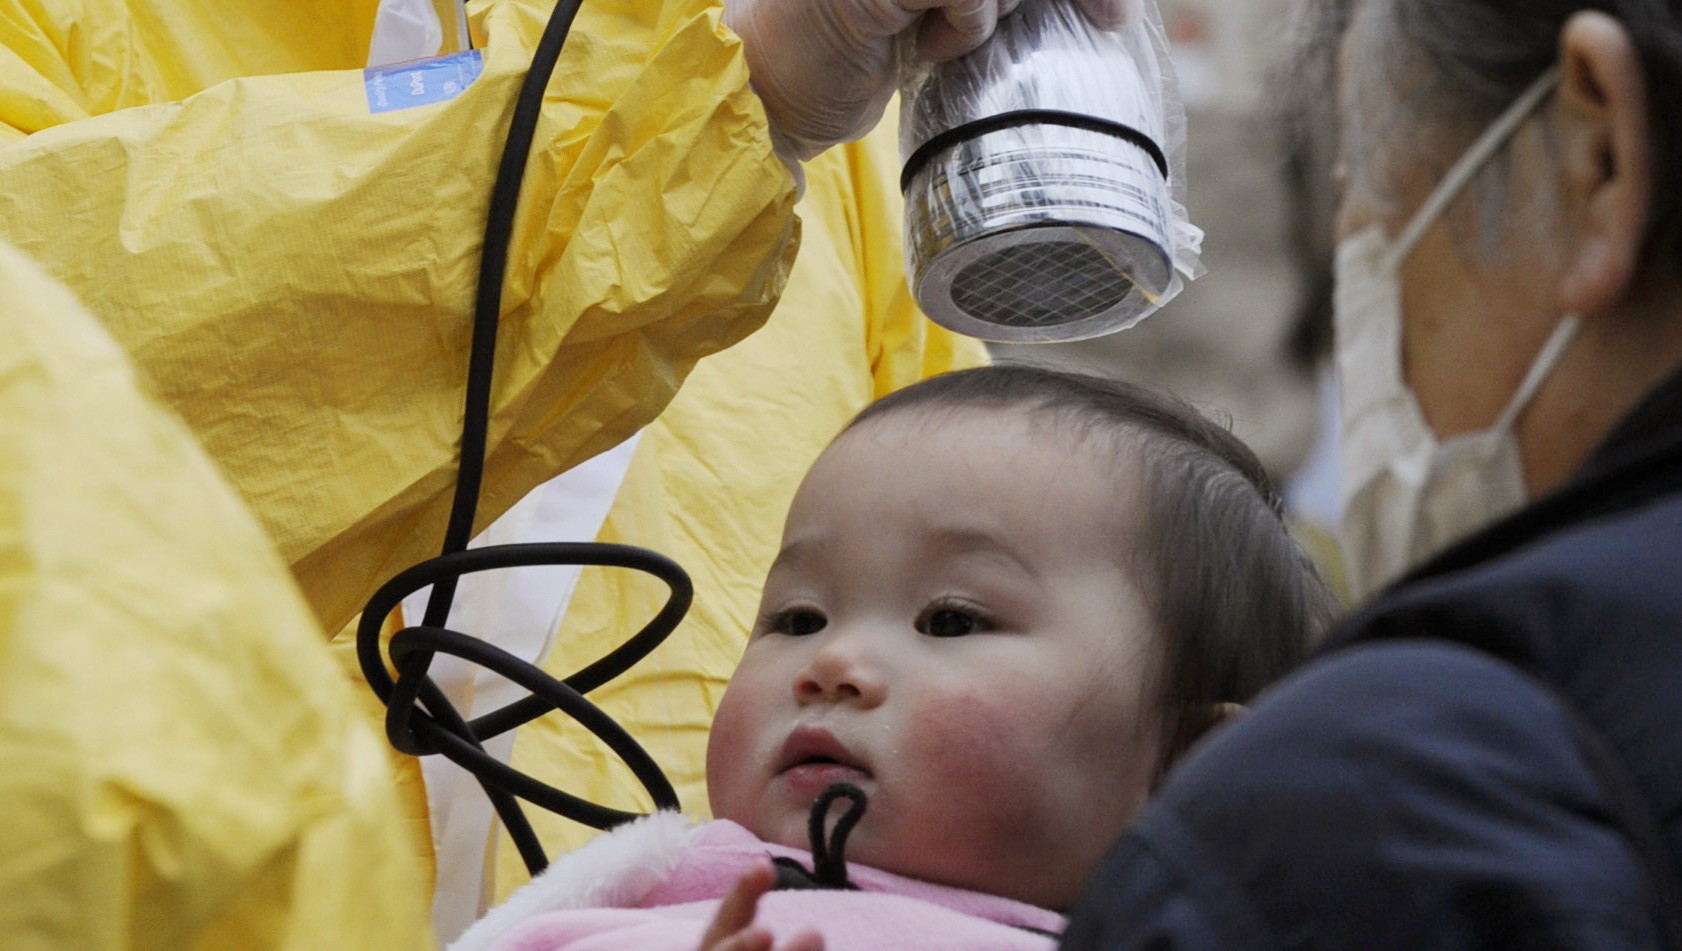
1407, 495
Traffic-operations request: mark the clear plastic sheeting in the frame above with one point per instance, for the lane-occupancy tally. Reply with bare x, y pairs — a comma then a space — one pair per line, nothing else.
1044, 178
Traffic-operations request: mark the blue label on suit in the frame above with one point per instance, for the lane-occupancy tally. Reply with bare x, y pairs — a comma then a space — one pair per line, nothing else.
421, 82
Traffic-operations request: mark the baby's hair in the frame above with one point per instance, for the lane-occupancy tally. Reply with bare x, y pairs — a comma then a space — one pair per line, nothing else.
1238, 600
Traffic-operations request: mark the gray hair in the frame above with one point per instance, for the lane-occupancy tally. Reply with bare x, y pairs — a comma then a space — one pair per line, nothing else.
1449, 67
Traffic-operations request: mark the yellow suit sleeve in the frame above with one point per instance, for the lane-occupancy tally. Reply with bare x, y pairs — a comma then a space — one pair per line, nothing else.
64, 60
712, 479
294, 268
180, 766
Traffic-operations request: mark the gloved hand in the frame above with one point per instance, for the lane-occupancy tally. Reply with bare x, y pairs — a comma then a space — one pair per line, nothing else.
825, 69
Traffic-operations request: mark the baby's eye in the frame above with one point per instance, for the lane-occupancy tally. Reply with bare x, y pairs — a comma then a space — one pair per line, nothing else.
796, 622
951, 621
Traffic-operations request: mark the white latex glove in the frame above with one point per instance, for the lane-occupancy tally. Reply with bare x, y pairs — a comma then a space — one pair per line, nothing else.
825, 69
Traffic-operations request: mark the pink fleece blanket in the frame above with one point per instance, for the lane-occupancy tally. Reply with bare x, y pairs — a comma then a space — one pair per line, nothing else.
889, 912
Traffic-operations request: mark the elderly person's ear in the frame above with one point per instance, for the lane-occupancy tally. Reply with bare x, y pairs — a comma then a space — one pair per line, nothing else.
1606, 161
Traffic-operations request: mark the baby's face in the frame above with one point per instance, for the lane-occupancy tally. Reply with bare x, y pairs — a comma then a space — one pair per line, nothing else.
952, 626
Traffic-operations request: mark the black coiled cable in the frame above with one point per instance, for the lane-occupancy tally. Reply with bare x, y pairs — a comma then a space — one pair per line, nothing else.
439, 728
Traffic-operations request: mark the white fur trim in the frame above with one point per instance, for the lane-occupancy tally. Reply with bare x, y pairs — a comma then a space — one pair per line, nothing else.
615, 870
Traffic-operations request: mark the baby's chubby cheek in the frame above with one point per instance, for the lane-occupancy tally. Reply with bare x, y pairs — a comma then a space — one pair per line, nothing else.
956, 730
733, 762
972, 760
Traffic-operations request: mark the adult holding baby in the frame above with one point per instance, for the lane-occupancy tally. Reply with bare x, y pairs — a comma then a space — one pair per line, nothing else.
1005, 601
307, 319
1488, 755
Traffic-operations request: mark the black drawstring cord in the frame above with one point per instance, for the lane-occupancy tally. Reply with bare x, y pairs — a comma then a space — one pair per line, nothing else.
829, 860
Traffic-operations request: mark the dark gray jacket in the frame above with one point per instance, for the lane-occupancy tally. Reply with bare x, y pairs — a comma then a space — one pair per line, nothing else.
1429, 781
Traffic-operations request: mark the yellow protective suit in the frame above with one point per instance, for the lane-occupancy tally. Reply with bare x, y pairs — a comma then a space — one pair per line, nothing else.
180, 766
712, 479
292, 259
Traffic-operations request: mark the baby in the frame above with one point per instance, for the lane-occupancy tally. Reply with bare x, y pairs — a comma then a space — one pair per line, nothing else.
1006, 600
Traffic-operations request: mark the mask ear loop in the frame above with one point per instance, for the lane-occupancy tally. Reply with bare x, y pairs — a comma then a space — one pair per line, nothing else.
1477, 155
1475, 158
440, 728
1544, 363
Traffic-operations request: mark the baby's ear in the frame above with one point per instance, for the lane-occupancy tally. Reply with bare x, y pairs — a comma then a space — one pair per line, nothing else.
1223, 712
1214, 715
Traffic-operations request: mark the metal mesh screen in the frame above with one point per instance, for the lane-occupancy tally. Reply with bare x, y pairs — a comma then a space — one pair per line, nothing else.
1039, 283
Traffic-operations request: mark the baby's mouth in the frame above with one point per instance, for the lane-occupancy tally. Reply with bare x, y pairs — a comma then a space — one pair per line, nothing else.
813, 755
806, 780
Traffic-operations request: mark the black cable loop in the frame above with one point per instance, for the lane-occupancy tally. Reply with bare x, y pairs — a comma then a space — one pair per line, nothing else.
431, 640
420, 719
518, 826
489, 558
440, 729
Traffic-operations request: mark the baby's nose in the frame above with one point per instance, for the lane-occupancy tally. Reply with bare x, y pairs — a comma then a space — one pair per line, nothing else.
843, 669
